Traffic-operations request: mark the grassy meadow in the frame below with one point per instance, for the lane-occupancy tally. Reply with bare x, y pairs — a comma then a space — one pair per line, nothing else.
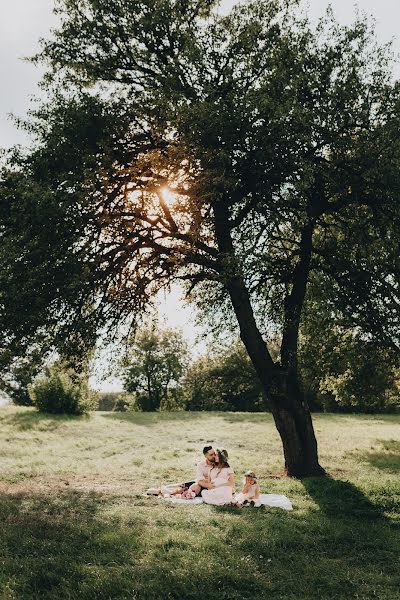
74, 523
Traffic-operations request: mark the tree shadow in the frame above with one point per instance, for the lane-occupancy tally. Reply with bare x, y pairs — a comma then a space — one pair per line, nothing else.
341, 546
70, 546
149, 419
337, 498
386, 460
59, 547
34, 420
349, 417
246, 417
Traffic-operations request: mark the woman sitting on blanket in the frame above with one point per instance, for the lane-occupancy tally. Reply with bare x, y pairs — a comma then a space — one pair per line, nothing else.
221, 481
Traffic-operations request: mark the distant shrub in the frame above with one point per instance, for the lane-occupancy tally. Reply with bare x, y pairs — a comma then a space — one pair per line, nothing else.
144, 403
115, 401
61, 392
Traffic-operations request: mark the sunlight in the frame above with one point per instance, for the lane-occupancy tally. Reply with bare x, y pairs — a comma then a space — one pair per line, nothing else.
168, 196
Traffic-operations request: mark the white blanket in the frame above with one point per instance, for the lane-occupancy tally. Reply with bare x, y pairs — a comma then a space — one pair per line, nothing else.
276, 500
273, 500
175, 500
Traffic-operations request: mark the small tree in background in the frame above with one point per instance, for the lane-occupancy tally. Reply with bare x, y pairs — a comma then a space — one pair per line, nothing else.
61, 390
153, 367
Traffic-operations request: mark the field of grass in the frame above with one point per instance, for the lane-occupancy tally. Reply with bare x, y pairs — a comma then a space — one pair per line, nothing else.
74, 523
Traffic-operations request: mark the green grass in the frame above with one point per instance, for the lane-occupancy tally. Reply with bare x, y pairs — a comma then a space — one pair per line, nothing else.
74, 524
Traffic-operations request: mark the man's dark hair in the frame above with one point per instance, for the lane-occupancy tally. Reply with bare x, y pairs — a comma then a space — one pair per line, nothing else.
206, 449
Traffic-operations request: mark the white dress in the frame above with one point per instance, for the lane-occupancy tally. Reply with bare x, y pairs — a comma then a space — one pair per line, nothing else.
219, 495
249, 495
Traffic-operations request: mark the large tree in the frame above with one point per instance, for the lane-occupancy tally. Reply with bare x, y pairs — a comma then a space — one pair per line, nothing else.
237, 154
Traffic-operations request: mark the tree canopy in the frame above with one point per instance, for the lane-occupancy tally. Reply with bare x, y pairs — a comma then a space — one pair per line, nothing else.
248, 156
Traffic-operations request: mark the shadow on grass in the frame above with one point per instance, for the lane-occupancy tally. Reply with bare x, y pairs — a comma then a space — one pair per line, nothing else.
153, 418
344, 547
54, 548
351, 417
57, 547
246, 417
341, 499
387, 460
149, 419
34, 420
77, 546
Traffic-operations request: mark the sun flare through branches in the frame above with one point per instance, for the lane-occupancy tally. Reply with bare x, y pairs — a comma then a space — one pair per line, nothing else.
168, 196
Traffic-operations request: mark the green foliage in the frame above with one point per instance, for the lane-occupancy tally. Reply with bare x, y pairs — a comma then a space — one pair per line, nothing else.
16, 373
115, 401
253, 111
153, 367
343, 368
224, 381
344, 371
61, 391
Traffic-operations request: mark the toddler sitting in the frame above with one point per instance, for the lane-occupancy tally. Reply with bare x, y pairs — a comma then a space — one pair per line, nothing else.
250, 493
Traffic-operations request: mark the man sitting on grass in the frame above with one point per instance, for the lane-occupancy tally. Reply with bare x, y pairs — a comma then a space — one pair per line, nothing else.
203, 472
191, 489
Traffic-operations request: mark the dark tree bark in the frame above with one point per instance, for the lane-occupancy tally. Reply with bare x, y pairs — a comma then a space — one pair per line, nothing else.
280, 381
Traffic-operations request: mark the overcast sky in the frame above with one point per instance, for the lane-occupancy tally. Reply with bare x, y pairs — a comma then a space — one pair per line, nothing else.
23, 22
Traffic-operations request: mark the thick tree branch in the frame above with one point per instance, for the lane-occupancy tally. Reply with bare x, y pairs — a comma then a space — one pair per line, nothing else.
293, 302
240, 298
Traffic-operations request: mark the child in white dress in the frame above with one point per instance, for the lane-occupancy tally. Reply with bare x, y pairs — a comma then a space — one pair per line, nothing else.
250, 492
221, 478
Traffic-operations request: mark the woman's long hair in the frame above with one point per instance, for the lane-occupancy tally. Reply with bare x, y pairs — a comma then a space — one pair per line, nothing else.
222, 458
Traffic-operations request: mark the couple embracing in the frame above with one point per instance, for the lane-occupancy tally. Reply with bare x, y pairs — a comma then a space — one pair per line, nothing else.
215, 481
214, 477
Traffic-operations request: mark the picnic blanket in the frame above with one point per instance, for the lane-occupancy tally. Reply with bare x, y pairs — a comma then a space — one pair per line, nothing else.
272, 500
276, 500
175, 500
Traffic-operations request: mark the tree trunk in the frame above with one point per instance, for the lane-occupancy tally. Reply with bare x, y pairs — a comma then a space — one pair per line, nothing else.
293, 421
289, 408
290, 411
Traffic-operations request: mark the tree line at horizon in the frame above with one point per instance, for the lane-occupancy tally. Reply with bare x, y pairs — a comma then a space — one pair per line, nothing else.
251, 157
342, 373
